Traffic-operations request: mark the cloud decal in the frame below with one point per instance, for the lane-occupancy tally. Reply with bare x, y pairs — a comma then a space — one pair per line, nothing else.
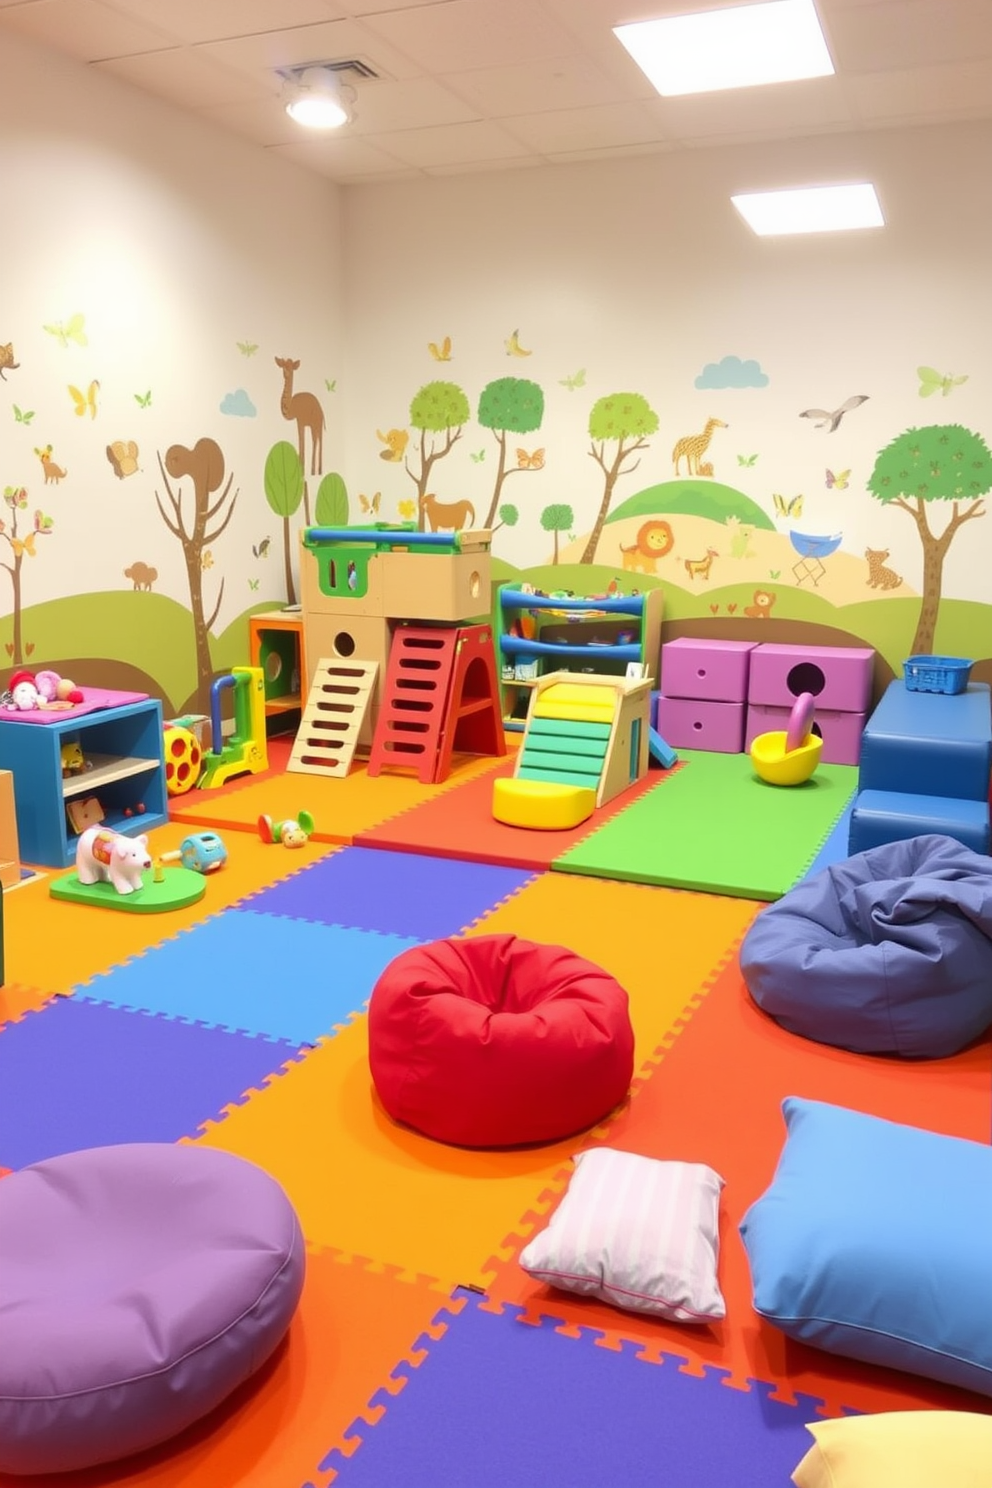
238, 404
732, 372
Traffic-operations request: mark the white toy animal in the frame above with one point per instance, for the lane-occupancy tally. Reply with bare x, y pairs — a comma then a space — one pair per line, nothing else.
108, 857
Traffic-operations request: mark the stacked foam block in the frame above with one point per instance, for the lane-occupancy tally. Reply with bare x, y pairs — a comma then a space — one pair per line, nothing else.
704, 689
840, 680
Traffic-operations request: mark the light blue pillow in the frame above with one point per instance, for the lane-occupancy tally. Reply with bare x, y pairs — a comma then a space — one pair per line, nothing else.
874, 1240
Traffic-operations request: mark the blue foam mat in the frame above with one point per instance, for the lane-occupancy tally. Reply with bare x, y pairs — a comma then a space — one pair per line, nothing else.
499, 1403
256, 973
81, 1074
394, 893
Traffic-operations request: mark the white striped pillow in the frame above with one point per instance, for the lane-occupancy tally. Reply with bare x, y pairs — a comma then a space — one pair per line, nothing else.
639, 1233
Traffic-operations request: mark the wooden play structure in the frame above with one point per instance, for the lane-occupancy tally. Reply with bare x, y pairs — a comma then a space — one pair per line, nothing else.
396, 606
585, 741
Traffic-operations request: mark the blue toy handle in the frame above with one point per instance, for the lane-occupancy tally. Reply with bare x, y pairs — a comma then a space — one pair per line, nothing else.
216, 735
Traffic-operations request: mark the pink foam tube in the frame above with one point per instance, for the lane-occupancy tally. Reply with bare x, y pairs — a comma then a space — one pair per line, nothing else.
800, 721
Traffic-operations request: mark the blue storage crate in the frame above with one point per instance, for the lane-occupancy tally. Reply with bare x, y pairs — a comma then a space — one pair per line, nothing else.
937, 673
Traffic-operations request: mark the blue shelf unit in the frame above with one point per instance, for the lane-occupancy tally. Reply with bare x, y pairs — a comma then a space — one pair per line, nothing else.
123, 745
584, 635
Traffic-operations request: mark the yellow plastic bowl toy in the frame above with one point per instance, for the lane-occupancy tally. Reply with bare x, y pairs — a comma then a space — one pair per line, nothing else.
780, 766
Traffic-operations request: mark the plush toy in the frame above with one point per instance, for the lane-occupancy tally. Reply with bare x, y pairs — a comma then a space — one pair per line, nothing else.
290, 833
57, 691
22, 693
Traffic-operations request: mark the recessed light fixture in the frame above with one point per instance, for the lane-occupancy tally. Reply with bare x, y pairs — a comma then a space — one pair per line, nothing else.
317, 99
738, 47
810, 209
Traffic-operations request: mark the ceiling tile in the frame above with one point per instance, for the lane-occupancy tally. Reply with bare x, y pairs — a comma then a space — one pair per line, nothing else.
212, 20
263, 120
529, 87
185, 78
623, 152
452, 144
909, 33
459, 35
84, 28
414, 103
785, 108
605, 127
934, 92
377, 7
517, 162
343, 159
330, 41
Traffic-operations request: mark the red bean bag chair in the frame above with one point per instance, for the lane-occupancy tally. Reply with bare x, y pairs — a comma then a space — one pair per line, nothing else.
496, 1041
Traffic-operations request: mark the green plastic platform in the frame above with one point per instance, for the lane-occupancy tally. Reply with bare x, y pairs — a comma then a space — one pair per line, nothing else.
713, 825
180, 887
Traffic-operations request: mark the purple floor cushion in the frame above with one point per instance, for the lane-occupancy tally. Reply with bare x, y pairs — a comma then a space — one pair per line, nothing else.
139, 1286
889, 952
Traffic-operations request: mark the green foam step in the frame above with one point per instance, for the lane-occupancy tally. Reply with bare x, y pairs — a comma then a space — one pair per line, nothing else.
565, 728
561, 777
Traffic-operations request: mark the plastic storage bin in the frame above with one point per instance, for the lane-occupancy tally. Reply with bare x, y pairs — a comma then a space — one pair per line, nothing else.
936, 673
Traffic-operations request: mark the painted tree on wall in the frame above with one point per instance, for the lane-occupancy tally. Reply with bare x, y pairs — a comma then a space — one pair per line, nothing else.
203, 466
510, 405
284, 492
557, 518
942, 462
509, 516
439, 408
22, 545
331, 509
624, 419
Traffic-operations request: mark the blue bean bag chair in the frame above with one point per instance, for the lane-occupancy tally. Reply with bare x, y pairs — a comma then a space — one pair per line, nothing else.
889, 952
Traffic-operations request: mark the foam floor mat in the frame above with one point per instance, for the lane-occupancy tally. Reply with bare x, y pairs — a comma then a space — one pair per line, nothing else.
714, 826
497, 1402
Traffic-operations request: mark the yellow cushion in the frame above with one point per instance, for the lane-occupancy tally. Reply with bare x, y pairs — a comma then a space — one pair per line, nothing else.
899, 1449
541, 805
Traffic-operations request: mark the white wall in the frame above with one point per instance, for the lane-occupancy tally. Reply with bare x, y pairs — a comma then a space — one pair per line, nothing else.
640, 271
176, 241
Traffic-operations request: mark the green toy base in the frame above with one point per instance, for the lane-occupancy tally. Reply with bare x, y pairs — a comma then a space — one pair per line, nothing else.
179, 887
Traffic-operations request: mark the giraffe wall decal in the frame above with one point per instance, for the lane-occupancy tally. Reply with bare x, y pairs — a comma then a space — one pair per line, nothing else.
305, 411
692, 448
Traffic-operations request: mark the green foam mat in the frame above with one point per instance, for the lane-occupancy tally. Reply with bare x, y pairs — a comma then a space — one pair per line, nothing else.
713, 825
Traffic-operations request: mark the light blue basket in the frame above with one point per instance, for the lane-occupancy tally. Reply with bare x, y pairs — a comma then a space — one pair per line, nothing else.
947, 674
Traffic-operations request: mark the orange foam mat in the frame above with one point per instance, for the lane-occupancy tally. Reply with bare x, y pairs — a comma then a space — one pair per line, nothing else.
340, 808
715, 1097
53, 945
354, 1324
461, 825
15, 1001
362, 1184
663, 945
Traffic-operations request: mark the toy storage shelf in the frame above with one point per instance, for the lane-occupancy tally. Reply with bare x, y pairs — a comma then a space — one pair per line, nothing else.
125, 747
275, 643
641, 611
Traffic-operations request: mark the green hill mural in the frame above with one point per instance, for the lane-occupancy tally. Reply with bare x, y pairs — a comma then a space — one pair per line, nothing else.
696, 498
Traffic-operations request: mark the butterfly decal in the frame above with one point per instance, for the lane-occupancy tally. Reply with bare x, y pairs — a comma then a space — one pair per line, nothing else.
42, 524
371, 505
331, 384
206, 560
262, 549
840, 481
932, 381
577, 380
23, 416
247, 348
143, 399
123, 457
252, 583
793, 508
15, 496
747, 460
84, 401
407, 510
513, 347
72, 330
441, 352
23, 545
530, 462
477, 458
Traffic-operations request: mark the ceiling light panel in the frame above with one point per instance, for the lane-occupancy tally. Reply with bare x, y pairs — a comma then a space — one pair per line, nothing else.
739, 47
811, 209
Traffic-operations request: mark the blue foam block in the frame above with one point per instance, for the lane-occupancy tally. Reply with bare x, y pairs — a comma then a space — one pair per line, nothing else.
892, 816
79, 1074
395, 893
499, 1403
256, 973
661, 750
929, 743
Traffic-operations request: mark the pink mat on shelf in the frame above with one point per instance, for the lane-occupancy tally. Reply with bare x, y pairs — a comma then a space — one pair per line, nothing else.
94, 698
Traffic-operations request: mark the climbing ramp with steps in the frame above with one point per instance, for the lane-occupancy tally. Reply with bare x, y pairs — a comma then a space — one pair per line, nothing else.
440, 696
332, 719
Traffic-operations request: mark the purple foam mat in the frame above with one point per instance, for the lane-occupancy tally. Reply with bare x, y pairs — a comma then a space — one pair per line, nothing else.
393, 893
499, 1403
82, 1074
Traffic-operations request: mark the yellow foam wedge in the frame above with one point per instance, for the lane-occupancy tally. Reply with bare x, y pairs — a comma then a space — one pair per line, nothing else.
541, 805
